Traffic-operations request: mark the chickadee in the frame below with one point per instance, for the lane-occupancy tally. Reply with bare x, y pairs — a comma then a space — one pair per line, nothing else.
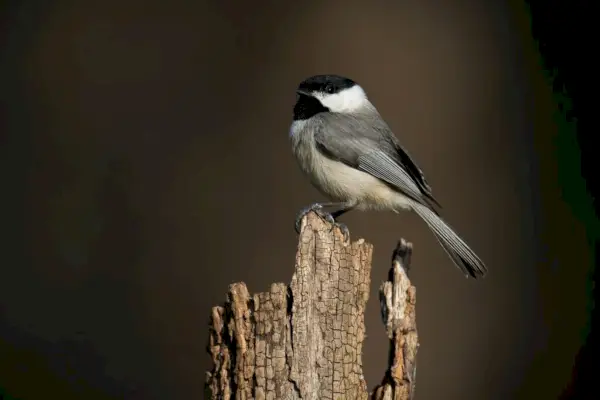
351, 156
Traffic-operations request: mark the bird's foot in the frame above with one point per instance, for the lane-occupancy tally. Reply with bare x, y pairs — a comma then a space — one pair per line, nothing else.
318, 209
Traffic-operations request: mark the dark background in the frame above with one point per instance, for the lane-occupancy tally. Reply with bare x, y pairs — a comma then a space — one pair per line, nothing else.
146, 166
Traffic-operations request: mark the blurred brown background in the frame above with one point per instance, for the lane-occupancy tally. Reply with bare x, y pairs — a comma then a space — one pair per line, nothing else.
146, 166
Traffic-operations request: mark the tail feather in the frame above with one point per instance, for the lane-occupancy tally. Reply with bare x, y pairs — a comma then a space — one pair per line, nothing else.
458, 251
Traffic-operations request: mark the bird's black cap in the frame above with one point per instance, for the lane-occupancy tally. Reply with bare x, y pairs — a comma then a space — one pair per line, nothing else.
325, 83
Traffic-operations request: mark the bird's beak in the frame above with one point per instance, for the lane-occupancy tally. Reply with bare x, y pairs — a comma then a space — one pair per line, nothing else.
303, 93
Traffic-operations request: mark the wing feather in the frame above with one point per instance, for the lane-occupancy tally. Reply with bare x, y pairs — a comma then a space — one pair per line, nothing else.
383, 167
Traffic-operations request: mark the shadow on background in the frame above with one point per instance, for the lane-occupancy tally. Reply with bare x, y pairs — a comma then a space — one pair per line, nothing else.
146, 166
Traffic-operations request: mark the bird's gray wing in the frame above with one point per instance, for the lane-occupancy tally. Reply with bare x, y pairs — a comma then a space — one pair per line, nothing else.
366, 143
411, 168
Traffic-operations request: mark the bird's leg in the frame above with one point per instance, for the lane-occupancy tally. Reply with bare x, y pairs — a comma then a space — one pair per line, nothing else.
343, 228
341, 211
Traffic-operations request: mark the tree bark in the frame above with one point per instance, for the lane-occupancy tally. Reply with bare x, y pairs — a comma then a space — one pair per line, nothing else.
304, 340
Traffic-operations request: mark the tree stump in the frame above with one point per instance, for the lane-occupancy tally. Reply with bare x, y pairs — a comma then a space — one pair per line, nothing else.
304, 340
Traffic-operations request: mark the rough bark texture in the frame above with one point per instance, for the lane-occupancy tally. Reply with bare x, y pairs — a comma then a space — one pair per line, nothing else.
304, 340
398, 298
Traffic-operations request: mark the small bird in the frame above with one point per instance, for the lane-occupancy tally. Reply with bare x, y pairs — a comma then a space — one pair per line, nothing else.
352, 157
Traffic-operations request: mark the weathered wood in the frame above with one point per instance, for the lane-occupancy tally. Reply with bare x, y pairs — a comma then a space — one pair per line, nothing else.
304, 341
398, 299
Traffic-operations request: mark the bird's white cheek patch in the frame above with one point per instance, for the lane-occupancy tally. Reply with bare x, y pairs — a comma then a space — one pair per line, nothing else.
345, 101
334, 102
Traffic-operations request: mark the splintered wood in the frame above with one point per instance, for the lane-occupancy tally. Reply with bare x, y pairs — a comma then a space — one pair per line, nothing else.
304, 340
398, 298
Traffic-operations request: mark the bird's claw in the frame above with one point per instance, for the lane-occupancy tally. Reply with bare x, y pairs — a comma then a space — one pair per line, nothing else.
318, 209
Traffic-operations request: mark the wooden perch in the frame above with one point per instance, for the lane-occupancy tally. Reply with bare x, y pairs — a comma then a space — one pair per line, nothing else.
304, 340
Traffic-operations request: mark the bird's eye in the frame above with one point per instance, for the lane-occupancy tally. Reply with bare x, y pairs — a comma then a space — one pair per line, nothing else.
329, 88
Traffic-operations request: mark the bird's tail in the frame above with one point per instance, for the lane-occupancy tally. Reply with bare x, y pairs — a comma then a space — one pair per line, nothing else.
460, 253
